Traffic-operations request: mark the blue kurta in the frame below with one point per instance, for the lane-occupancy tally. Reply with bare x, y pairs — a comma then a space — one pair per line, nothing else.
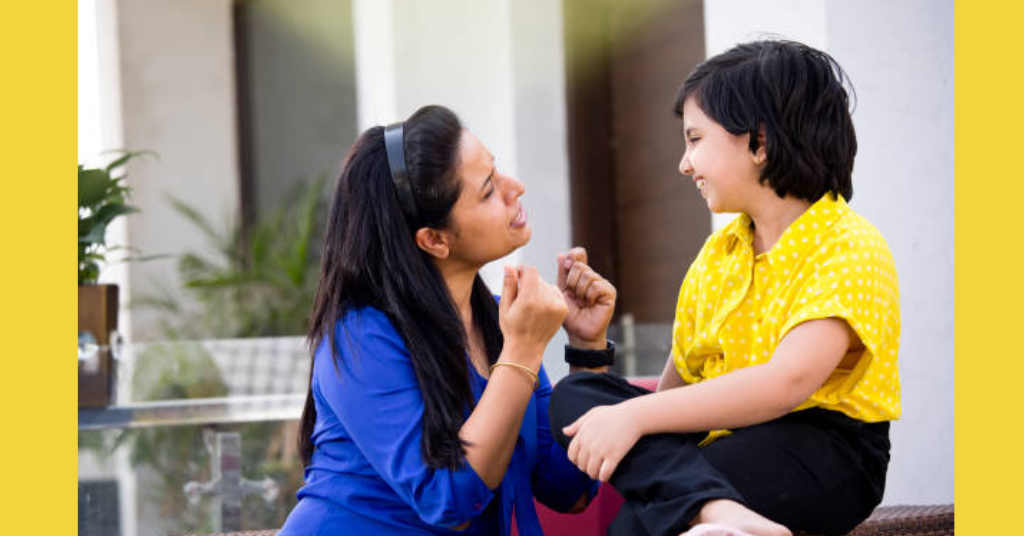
367, 474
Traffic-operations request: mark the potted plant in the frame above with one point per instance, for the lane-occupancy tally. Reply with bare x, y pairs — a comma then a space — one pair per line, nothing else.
102, 197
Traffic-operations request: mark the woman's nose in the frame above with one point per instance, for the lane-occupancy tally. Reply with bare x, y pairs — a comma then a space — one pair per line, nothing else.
513, 189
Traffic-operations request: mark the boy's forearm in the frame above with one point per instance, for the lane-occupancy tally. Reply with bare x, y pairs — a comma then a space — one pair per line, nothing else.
802, 362
669, 377
599, 343
741, 398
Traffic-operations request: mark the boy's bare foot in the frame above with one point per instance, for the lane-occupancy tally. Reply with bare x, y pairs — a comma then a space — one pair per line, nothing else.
732, 514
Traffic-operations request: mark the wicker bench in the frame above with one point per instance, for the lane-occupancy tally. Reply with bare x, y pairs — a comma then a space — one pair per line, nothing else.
886, 521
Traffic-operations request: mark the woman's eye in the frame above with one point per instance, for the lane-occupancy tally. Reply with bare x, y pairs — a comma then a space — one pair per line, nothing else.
489, 192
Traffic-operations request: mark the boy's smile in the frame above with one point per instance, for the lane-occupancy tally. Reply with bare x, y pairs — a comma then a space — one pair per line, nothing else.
721, 164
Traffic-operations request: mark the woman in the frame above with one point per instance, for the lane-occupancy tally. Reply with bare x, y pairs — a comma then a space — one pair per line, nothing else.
427, 406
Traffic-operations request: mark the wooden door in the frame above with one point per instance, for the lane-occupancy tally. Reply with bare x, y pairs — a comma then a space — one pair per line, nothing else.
642, 222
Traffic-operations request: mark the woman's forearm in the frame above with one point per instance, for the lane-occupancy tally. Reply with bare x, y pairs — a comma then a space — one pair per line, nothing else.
492, 428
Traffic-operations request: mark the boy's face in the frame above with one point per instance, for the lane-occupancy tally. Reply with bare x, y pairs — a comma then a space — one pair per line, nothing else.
720, 163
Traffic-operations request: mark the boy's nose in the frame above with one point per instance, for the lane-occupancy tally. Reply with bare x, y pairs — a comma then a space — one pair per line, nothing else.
684, 165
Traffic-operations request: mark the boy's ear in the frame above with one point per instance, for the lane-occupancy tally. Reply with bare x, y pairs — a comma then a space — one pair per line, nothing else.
761, 154
433, 241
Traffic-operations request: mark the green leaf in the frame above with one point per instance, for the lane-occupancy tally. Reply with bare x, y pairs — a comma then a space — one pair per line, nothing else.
93, 185
127, 155
146, 258
96, 235
88, 273
195, 217
108, 212
222, 280
85, 225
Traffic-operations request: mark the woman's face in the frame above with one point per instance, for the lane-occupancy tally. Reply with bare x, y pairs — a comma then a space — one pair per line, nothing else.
488, 221
720, 163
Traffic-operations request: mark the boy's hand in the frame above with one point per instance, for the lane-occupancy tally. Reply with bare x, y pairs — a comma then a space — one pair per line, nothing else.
601, 438
590, 297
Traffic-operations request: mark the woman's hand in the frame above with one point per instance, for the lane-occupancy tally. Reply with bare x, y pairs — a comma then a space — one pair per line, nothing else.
530, 313
601, 438
590, 298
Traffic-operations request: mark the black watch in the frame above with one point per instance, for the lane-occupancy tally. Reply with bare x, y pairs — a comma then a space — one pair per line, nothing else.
587, 358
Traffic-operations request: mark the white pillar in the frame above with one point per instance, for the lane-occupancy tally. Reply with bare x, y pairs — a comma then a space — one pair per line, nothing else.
178, 99
499, 65
903, 183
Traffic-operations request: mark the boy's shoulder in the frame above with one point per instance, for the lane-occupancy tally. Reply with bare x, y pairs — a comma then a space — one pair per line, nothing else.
855, 231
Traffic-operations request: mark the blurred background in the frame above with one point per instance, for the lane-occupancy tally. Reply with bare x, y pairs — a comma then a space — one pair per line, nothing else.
251, 105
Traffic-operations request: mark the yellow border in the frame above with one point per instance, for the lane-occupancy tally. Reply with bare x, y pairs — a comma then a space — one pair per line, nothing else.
989, 297
37, 43
37, 140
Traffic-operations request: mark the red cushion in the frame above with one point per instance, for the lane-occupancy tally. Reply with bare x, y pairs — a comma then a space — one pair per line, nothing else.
599, 513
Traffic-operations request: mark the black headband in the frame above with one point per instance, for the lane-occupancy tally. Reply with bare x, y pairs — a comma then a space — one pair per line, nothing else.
394, 144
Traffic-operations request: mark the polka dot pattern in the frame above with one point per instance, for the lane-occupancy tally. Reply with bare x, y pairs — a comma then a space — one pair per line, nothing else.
735, 308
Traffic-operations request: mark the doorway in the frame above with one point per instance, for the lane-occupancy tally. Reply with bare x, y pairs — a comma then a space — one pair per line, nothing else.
641, 221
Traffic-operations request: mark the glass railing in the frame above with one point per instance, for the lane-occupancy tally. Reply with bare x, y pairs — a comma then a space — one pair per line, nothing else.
201, 439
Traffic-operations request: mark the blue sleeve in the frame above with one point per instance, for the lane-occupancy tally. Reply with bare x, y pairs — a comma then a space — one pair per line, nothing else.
557, 483
378, 400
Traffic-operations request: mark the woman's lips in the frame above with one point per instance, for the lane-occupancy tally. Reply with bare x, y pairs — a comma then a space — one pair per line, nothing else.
520, 218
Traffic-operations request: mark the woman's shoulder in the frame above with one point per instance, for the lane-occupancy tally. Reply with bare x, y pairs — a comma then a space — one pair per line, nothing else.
364, 343
360, 319
361, 326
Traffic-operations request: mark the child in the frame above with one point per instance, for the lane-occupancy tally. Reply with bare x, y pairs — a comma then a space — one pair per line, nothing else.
786, 329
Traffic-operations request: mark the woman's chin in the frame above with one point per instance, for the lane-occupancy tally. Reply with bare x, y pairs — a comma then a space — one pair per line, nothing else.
523, 235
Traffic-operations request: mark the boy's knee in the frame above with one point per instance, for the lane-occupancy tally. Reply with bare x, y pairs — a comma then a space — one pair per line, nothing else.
577, 393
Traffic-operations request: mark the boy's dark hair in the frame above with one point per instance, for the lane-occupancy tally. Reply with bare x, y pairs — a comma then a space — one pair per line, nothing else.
796, 94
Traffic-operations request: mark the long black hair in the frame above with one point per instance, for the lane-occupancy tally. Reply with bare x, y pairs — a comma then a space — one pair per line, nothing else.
370, 258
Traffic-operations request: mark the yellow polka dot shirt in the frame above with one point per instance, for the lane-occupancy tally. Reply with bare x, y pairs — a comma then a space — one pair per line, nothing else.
734, 307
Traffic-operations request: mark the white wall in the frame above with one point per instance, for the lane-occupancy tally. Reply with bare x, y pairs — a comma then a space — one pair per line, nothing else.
900, 58
499, 65
301, 93
178, 98
903, 183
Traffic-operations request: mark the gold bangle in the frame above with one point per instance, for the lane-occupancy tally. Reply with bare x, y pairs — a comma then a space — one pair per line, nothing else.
536, 379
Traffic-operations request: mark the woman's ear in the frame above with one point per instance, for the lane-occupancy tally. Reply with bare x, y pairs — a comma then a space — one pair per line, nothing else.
433, 241
761, 154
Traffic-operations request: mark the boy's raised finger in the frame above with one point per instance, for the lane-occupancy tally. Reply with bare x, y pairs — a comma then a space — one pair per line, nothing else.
563, 270
578, 254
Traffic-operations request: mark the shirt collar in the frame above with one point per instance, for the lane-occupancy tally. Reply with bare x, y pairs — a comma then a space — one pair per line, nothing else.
800, 234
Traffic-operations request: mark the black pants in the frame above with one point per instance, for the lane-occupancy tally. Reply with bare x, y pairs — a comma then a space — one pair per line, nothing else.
815, 470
